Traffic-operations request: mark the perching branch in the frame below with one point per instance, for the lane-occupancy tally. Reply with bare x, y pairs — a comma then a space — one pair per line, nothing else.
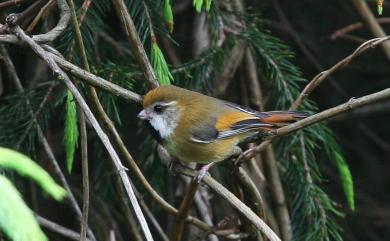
326, 114
83, 105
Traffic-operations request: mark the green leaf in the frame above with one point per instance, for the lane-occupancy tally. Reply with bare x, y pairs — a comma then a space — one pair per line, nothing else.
168, 15
26, 167
380, 9
16, 219
160, 66
198, 4
346, 179
208, 5
71, 130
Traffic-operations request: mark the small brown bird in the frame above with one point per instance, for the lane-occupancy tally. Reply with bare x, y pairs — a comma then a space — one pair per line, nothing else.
197, 128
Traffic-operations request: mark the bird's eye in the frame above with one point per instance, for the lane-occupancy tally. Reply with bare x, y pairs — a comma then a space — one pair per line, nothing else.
158, 108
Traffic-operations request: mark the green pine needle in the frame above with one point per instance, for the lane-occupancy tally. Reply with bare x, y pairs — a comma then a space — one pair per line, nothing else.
160, 66
168, 15
380, 9
198, 4
346, 179
16, 219
71, 130
26, 167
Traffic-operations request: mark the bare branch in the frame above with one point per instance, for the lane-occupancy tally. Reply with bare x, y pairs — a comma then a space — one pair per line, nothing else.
135, 42
372, 24
85, 175
184, 210
56, 228
95, 80
326, 114
354, 26
317, 80
234, 201
49, 36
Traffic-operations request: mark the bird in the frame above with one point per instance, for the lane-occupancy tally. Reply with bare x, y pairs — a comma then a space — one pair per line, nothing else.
198, 128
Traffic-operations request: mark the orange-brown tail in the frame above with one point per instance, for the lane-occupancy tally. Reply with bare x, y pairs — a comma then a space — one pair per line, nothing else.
282, 118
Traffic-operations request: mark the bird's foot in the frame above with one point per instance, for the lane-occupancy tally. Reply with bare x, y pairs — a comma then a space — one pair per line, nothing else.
203, 171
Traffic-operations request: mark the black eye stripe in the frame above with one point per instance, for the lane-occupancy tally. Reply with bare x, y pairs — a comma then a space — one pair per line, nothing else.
159, 108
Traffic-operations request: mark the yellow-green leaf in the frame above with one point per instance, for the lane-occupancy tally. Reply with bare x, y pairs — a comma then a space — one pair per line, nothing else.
160, 65
16, 219
346, 179
71, 132
168, 15
22, 164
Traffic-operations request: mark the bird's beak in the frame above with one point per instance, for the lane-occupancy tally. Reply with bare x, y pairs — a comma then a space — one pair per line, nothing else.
143, 115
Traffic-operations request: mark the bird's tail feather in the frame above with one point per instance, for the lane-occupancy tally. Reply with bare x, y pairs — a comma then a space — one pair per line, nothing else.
282, 118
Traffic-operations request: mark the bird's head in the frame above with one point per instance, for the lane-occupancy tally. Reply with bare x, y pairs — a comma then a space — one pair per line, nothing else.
162, 109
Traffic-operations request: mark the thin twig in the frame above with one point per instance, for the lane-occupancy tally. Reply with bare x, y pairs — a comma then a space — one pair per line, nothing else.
10, 3
132, 224
49, 36
83, 130
41, 12
29, 12
233, 200
56, 228
354, 26
135, 42
103, 137
151, 217
317, 80
184, 210
277, 193
95, 80
85, 175
372, 24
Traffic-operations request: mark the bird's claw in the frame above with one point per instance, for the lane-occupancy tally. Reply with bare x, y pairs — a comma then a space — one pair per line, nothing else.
202, 172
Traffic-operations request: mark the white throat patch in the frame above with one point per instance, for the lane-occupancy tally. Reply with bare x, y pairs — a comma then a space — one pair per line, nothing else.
166, 122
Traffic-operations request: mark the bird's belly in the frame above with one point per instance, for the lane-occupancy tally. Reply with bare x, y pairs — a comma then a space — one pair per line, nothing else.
189, 151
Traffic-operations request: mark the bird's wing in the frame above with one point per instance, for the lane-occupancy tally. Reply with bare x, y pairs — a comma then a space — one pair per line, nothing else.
234, 120
231, 122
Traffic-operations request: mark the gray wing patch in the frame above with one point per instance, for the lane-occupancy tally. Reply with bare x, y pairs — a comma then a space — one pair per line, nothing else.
204, 135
